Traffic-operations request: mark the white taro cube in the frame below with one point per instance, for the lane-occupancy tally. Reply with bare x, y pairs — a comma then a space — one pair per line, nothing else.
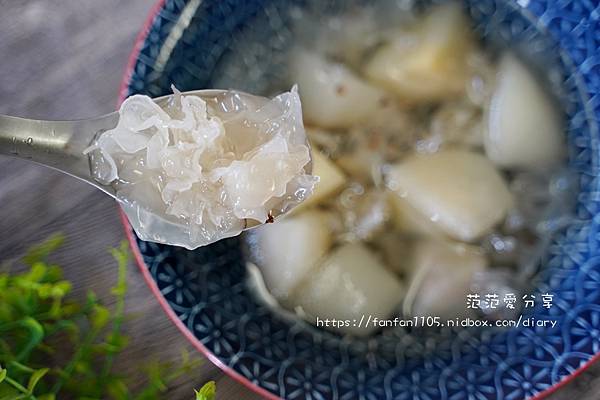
331, 180
461, 192
441, 276
350, 284
525, 128
428, 63
332, 95
287, 250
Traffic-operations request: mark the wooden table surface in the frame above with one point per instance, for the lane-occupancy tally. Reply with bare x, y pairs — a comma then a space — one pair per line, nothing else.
63, 59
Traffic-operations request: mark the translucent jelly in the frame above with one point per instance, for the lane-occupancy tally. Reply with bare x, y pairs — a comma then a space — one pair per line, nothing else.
202, 169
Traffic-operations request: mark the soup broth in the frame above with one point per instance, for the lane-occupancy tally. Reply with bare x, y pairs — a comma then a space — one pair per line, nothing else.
442, 170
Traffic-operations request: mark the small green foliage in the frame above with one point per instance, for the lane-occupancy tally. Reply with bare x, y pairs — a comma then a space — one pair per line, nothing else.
35, 378
36, 313
207, 392
40, 252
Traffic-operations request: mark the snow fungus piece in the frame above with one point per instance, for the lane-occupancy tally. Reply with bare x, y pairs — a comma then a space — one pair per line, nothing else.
197, 170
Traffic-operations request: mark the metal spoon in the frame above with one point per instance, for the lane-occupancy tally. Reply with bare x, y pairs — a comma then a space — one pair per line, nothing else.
60, 144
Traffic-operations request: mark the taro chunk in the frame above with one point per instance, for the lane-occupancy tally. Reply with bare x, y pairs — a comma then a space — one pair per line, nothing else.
524, 126
428, 63
331, 179
409, 221
349, 284
459, 191
441, 278
288, 249
332, 95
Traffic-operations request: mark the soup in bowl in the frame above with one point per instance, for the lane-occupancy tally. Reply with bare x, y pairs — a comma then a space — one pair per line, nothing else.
456, 150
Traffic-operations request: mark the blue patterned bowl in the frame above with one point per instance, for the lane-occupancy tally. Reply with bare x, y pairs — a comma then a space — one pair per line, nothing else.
204, 292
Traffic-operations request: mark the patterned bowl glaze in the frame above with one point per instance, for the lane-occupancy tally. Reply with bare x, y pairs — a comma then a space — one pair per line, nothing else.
205, 293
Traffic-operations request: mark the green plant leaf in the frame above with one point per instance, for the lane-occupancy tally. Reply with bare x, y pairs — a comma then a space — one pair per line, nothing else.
8, 393
21, 367
61, 288
36, 334
36, 313
35, 378
207, 392
44, 290
117, 340
100, 316
37, 272
3, 281
42, 250
117, 389
54, 273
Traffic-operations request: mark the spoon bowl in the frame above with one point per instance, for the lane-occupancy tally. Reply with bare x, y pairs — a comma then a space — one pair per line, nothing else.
60, 144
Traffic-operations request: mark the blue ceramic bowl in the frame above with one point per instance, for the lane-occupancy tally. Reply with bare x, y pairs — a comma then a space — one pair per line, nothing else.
188, 43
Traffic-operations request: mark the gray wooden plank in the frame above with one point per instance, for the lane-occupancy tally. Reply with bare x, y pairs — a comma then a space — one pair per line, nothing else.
64, 59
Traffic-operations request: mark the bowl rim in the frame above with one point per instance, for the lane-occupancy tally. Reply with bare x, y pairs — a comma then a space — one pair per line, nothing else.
122, 94
173, 317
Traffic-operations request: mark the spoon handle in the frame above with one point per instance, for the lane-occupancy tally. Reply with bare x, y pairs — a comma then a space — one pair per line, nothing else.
56, 144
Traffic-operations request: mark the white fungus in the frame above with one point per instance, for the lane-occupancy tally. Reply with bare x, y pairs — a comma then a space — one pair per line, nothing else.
198, 170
